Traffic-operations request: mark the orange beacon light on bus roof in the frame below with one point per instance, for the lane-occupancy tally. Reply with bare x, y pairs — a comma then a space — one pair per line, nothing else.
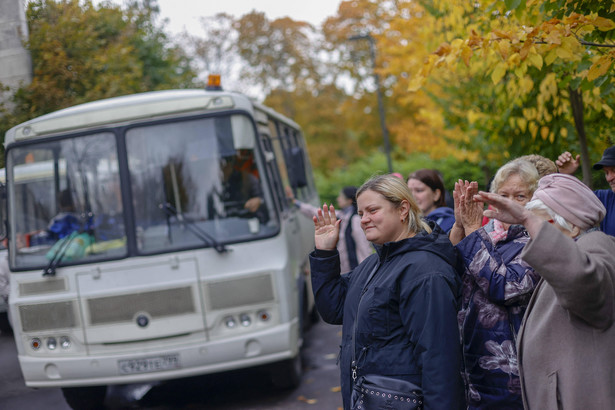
213, 83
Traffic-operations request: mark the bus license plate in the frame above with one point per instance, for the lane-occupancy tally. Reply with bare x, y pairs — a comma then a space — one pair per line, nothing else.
149, 364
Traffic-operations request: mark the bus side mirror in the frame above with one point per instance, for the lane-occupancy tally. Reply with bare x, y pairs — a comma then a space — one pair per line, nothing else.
296, 167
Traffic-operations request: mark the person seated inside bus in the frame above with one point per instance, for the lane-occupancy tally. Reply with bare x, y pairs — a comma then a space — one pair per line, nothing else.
242, 193
67, 219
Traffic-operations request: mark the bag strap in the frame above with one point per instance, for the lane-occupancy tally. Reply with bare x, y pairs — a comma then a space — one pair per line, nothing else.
353, 365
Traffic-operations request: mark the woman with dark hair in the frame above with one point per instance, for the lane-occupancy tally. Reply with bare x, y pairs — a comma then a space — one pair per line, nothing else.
399, 307
428, 191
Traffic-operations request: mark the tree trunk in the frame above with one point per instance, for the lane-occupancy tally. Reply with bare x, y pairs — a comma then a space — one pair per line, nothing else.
576, 102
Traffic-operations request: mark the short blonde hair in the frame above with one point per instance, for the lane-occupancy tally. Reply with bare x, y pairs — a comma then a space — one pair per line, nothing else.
395, 190
524, 169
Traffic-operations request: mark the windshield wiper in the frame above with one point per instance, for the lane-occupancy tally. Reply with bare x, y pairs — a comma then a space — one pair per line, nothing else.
50, 270
56, 258
169, 210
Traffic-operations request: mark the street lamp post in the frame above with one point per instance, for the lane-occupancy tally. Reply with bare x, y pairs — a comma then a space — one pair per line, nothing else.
385, 132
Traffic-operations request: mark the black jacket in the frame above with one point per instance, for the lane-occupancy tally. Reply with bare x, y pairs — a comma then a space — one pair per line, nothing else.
407, 324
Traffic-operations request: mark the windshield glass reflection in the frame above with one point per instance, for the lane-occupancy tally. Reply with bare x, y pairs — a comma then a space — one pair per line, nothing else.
196, 183
67, 202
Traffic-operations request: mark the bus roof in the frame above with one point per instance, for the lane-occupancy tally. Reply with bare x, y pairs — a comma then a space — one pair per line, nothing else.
133, 107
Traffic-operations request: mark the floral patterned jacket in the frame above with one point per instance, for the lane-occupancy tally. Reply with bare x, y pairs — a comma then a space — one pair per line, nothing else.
497, 286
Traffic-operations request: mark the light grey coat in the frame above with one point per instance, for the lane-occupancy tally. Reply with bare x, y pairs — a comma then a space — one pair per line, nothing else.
566, 346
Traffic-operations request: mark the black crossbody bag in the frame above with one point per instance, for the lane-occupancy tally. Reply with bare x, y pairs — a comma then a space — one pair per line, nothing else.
376, 392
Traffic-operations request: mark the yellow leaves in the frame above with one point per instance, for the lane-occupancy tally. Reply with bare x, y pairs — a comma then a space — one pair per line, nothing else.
522, 124
533, 129
501, 34
306, 400
549, 85
563, 53
503, 48
600, 67
603, 24
475, 40
466, 55
544, 132
443, 50
563, 132
418, 79
530, 113
498, 72
416, 82
336, 389
473, 116
554, 35
550, 57
526, 84
535, 59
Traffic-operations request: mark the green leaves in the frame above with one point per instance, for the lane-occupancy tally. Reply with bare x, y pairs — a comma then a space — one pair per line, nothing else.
512, 4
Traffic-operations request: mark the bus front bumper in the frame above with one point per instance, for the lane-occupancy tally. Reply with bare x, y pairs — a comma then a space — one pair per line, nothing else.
254, 349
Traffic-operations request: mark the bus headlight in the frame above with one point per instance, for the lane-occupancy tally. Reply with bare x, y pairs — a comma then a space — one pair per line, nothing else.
263, 315
230, 322
35, 343
245, 320
65, 342
52, 343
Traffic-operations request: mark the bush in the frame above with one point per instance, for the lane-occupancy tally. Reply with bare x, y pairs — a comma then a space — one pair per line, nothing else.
329, 185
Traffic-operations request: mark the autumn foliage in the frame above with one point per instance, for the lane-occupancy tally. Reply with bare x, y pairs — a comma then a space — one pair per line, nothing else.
466, 81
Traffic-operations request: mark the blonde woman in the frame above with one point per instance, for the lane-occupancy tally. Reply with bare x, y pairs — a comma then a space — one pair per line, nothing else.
398, 308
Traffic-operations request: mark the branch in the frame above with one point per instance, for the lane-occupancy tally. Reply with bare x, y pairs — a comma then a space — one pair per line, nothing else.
583, 42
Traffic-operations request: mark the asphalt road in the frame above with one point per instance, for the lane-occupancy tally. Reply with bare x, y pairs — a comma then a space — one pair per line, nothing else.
241, 390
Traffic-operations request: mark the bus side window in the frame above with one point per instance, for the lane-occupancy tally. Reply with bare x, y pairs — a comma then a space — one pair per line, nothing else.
272, 166
296, 167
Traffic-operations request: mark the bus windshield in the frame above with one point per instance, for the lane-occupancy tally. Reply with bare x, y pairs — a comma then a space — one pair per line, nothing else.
202, 187
66, 201
192, 183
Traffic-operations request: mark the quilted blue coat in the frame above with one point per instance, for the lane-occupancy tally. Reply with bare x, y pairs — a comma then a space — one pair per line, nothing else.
497, 286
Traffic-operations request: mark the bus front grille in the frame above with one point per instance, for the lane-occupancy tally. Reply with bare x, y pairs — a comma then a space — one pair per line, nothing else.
39, 287
240, 292
47, 316
123, 308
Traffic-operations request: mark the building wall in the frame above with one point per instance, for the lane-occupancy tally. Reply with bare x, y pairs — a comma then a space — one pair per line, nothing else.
15, 62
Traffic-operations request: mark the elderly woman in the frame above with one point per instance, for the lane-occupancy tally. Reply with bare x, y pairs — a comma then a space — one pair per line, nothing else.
398, 308
497, 286
428, 191
567, 342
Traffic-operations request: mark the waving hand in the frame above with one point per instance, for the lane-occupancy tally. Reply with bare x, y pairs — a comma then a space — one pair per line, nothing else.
326, 228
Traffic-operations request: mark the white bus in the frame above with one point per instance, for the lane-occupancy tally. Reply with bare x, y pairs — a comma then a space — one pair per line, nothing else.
150, 238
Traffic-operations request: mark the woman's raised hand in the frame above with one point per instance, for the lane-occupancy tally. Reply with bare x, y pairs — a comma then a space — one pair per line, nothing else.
326, 228
505, 210
470, 211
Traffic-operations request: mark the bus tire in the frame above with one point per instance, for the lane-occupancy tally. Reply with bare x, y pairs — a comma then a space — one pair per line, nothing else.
287, 374
314, 316
85, 398
5, 324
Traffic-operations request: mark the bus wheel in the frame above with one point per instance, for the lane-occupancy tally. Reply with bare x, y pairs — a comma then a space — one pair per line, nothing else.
314, 315
287, 374
82, 398
5, 324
